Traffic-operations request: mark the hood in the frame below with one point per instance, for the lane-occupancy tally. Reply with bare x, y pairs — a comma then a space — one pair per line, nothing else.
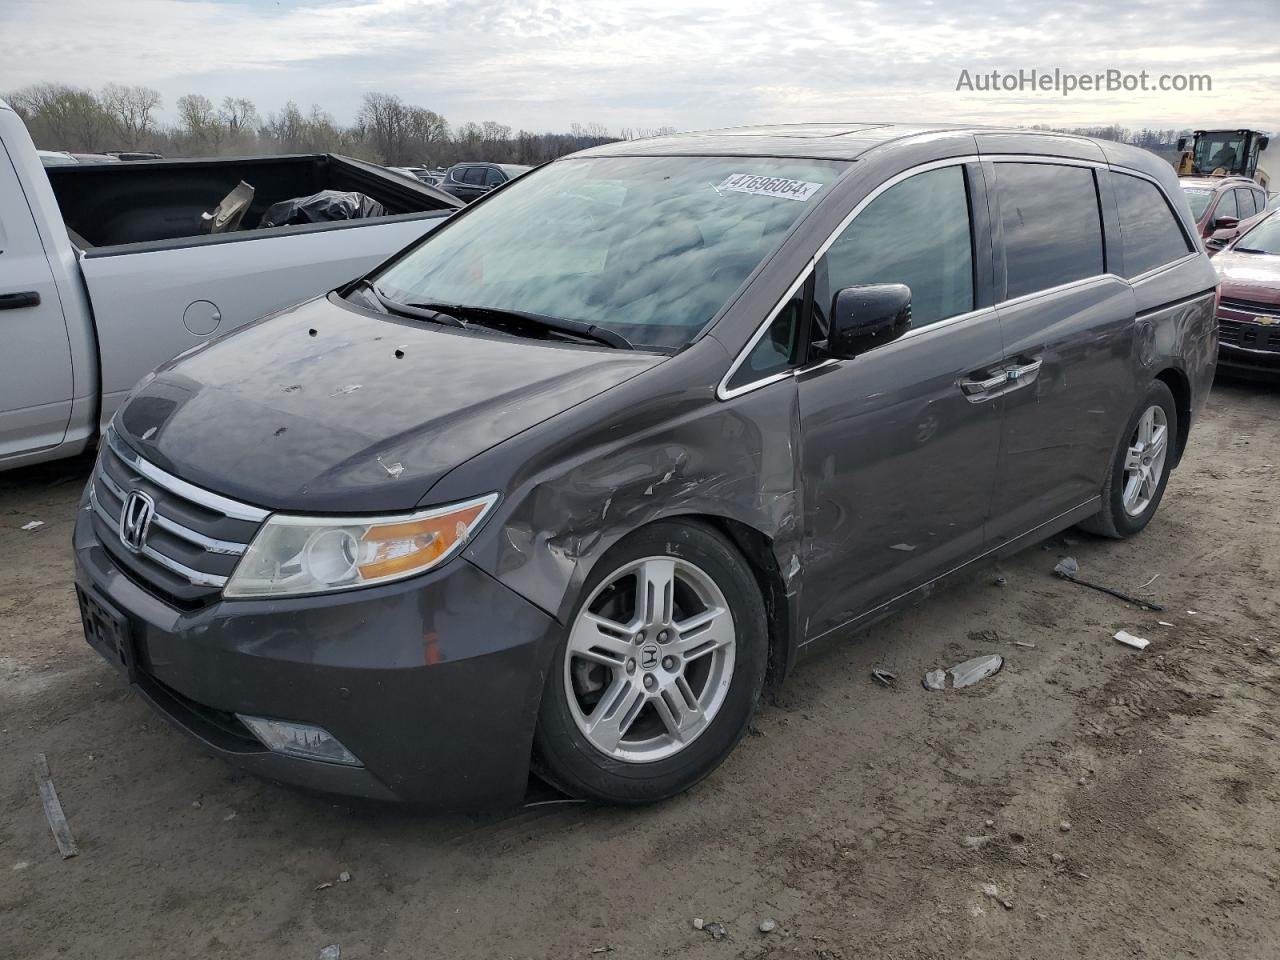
325, 409
1249, 276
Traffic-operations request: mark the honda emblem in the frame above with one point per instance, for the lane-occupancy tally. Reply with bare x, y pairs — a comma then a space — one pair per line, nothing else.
135, 519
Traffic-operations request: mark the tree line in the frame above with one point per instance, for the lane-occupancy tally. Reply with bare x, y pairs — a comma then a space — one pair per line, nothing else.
386, 129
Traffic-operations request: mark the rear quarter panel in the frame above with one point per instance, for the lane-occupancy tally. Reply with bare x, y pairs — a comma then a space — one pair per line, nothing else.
141, 298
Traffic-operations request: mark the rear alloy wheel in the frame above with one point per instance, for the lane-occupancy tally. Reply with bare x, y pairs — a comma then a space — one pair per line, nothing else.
659, 670
1140, 469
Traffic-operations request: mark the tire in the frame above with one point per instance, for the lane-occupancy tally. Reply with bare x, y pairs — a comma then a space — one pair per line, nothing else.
586, 701
1119, 519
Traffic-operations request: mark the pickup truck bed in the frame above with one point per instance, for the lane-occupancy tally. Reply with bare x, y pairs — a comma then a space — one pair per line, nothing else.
148, 202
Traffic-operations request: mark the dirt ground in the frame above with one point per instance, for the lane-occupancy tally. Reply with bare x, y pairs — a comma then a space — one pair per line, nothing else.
1126, 804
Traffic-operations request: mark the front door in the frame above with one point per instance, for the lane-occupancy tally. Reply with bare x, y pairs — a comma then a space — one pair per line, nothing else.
35, 364
899, 445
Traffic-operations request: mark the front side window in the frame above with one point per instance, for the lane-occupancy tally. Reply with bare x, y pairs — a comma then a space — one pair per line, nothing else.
917, 232
1227, 206
1149, 230
493, 177
1052, 225
650, 248
473, 176
1245, 203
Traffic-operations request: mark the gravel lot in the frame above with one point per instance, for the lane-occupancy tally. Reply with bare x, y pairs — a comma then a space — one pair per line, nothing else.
1127, 803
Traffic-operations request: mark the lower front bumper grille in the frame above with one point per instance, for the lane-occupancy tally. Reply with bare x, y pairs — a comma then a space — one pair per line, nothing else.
1249, 336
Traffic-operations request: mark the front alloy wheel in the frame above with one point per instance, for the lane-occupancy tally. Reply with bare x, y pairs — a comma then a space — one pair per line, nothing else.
659, 669
650, 659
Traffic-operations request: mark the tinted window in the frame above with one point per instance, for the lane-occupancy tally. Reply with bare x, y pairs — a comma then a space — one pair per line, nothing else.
1052, 227
1227, 206
1148, 227
917, 233
776, 350
493, 177
473, 175
1246, 204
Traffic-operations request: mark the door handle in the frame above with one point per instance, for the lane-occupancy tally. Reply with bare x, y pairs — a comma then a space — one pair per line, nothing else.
981, 389
1024, 372
16, 301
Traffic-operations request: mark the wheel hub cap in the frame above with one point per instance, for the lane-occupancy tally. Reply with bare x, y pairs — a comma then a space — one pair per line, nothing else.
1144, 460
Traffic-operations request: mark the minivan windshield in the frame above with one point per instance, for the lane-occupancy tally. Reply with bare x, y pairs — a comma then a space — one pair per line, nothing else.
649, 248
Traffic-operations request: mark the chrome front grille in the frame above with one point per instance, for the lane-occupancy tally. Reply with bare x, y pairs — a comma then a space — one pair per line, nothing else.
194, 537
1250, 306
1250, 336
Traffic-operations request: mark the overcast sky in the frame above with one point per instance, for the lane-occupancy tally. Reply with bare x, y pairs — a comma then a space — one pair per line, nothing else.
542, 64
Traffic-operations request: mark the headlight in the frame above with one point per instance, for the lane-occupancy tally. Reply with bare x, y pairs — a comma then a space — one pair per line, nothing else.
300, 555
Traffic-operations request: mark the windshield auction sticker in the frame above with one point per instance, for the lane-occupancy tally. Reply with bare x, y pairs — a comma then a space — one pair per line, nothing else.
769, 186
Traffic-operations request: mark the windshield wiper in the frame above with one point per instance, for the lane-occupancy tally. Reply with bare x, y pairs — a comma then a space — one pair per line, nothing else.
574, 328
417, 311
1248, 250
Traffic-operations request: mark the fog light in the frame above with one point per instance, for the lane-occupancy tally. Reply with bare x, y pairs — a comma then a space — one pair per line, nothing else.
299, 740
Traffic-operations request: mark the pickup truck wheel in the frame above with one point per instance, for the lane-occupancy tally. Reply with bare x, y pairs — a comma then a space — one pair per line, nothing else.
1140, 468
659, 671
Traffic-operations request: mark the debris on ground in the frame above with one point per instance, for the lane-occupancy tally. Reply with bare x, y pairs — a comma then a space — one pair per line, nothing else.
331, 952
716, 930
1068, 569
1065, 826
324, 885
1024, 643
999, 581
964, 674
883, 677
902, 547
698, 923
768, 925
1129, 640
33, 525
1164, 623
977, 842
53, 810
344, 876
993, 891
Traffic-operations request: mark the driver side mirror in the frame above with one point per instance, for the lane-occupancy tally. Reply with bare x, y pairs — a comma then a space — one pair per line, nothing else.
1182, 144
1226, 223
866, 317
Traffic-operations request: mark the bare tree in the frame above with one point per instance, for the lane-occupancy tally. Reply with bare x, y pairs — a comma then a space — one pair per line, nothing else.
62, 117
199, 125
132, 109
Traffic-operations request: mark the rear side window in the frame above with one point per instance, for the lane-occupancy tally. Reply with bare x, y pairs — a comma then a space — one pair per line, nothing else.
917, 232
1245, 201
473, 175
1149, 229
1052, 226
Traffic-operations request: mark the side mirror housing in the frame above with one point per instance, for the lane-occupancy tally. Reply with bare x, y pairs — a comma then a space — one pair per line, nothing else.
1226, 223
866, 317
1182, 144
1262, 143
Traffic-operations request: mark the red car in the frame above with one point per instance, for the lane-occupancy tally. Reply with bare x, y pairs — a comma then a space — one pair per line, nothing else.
1222, 204
1249, 304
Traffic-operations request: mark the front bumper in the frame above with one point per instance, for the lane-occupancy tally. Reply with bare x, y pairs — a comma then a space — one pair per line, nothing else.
433, 682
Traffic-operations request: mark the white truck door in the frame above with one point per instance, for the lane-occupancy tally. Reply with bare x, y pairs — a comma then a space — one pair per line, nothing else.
35, 353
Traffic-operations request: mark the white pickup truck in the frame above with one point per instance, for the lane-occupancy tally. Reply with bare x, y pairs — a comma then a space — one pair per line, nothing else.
108, 270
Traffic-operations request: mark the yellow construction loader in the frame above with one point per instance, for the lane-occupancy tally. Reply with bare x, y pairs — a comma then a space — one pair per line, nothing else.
1225, 153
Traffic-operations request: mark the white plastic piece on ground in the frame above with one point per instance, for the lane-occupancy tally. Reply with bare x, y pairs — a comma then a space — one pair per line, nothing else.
331, 952
33, 524
964, 674
1129, 640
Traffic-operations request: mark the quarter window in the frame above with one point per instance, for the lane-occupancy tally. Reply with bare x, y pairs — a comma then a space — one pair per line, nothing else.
1149, 230
917, 232
1052, 226
777, 349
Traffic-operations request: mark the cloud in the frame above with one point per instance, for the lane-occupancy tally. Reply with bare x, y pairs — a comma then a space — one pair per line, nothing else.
541, 64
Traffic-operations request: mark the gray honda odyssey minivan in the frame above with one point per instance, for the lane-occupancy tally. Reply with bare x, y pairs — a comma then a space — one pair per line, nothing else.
563, 485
